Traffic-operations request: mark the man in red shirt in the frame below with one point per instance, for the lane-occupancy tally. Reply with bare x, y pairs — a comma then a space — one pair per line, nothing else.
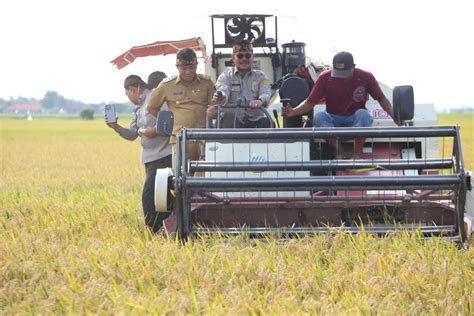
345, 89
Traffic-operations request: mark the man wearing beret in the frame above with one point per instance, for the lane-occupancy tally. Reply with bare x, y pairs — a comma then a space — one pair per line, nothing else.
346, 91
188, 96
246, 86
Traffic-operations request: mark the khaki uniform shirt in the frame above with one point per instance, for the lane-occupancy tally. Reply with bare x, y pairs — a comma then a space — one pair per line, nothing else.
187, 101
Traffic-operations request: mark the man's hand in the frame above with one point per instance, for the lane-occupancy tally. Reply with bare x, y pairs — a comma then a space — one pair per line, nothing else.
219, 98
211, 110
287, 110
148, 132
111, 125
255, 104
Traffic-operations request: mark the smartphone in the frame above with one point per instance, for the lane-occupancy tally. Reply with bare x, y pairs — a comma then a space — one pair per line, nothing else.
110, 113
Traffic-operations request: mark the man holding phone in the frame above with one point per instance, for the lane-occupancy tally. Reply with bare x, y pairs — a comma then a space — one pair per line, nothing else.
156, 150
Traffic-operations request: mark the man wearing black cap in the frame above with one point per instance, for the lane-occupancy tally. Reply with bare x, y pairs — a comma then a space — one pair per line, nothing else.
188, 95
345, 89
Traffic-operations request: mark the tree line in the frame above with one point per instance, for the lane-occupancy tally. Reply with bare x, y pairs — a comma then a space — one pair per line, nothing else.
53, 102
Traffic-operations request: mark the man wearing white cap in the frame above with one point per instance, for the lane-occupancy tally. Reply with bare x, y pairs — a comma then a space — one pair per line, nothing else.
345, 90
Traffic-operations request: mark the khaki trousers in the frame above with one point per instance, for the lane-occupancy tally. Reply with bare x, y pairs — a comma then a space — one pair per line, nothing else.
194, 153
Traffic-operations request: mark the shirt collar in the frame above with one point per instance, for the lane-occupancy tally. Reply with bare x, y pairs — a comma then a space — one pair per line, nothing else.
143, 97
236, 71
196, 78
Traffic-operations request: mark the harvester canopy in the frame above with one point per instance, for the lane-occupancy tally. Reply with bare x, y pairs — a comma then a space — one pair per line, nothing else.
158, 48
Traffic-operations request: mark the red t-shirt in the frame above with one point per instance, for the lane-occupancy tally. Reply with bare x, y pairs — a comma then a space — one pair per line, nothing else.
345, 96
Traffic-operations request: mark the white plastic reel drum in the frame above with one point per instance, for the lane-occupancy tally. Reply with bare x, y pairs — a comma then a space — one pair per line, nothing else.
161, 189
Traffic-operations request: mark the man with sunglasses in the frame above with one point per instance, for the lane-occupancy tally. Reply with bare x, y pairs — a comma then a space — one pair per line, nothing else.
243, 86
188, 96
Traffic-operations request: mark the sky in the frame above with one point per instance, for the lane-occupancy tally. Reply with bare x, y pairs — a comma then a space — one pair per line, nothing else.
67, 45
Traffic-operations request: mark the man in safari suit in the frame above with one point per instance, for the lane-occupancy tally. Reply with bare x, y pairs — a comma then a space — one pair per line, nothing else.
188, 96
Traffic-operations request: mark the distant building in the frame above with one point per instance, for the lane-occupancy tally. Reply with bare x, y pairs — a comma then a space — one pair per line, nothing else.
23, 108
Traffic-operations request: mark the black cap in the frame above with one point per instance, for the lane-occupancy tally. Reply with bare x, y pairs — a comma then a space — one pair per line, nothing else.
342, 65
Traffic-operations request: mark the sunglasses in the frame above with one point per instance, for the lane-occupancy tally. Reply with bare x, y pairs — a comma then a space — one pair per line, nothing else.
242, 55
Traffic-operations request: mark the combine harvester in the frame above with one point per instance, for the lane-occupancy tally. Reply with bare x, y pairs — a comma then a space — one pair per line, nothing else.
285, 180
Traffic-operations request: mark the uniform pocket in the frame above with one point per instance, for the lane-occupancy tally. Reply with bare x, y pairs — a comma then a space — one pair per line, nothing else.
177, 97
199, 96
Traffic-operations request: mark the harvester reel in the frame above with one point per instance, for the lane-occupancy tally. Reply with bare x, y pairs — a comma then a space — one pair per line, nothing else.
244, 28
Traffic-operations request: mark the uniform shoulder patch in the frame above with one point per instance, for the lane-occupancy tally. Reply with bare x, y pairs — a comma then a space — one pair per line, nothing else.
204, 76
167, 79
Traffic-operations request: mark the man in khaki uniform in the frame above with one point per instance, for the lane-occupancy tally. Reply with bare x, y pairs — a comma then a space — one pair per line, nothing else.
188, 96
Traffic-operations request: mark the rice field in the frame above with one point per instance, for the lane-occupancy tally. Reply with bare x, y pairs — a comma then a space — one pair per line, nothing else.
73, 242
466, 123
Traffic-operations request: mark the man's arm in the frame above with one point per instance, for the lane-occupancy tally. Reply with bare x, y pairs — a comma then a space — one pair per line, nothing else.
127, 133
316, 94
386, 105
223, 84
376, 92
156, 99
265, 92
301, 109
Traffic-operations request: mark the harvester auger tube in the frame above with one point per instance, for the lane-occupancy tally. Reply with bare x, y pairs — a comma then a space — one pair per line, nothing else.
260, 181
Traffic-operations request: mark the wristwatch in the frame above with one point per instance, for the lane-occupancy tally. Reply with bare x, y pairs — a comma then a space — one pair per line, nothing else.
141, 132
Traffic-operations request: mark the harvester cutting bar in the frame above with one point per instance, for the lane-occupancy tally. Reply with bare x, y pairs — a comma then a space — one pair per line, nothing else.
322, 165
309, 133
441, 230
343, 200
440, 182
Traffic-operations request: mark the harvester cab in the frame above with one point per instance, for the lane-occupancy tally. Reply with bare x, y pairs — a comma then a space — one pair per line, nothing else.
286, 180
